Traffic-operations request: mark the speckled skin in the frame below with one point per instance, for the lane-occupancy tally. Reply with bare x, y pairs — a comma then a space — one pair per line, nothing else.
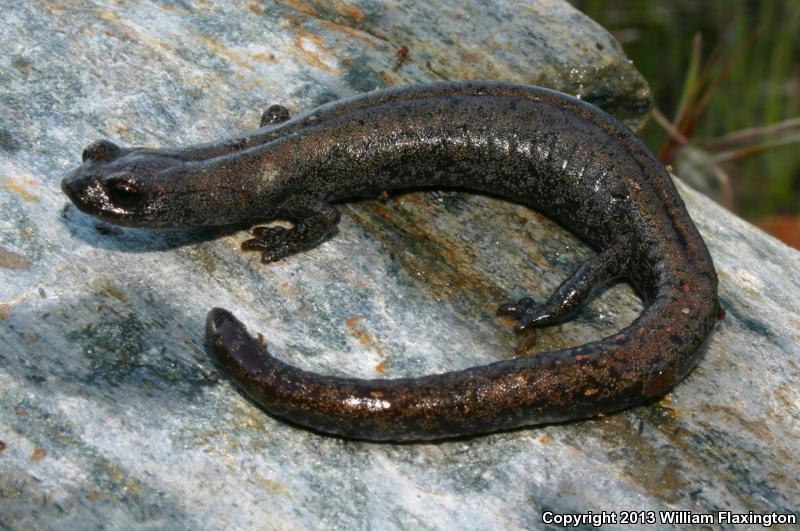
531, 145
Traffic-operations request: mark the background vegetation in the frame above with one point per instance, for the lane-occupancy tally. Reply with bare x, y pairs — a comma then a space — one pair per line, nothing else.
725, 76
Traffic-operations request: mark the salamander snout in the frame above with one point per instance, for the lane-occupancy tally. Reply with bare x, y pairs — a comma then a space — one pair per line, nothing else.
100, 151
112, 181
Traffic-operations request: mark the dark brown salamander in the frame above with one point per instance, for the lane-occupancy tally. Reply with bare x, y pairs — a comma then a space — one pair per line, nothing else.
535, 146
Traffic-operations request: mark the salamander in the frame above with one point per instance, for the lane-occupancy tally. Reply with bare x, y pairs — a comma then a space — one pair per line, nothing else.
550, 151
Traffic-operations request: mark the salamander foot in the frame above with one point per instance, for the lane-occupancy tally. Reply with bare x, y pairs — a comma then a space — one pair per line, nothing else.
313, 222
528, 313
570, 295
275, 114
274, 243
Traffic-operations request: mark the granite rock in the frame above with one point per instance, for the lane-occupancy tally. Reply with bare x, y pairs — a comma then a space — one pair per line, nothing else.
112, 412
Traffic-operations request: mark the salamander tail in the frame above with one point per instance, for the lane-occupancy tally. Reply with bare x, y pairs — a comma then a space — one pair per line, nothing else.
238, 352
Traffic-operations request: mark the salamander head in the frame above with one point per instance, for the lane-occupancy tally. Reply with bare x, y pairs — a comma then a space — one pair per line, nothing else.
116, 184
139, 187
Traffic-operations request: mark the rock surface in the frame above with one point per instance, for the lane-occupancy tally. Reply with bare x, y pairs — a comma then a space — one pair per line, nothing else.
112, 412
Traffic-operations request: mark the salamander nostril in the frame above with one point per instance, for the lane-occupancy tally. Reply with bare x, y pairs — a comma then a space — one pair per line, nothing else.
100, 151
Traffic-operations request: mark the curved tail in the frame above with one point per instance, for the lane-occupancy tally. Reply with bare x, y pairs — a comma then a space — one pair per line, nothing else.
639, 363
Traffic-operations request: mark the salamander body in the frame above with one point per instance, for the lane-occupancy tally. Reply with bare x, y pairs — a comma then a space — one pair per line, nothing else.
557, 154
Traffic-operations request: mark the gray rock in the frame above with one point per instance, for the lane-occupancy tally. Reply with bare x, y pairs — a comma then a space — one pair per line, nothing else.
112, 413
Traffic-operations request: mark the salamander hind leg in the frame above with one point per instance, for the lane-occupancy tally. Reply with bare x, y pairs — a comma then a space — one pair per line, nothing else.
570, 295
313, 222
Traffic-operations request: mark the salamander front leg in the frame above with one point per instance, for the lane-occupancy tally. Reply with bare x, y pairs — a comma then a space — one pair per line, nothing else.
275, 114
570, 295
313, 221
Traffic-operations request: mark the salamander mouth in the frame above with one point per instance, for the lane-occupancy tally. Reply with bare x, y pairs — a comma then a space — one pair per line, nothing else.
67, 188
89, 194
78, 188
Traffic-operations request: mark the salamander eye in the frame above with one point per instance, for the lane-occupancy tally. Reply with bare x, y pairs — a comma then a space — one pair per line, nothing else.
124, 191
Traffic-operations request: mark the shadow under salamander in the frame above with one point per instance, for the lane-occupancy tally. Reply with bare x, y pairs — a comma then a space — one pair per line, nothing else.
132, 240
